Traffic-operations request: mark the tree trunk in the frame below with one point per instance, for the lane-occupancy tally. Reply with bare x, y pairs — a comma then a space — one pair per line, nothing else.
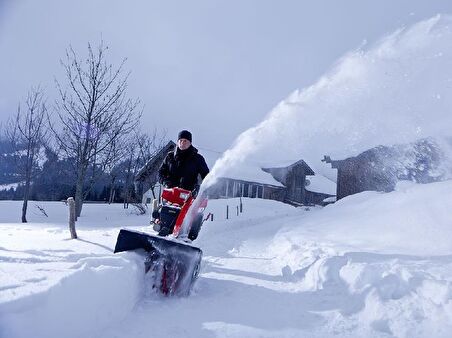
112, 191
26, 197
79, 192
78, 201
127, 184
27, 186
24, 210
112, 197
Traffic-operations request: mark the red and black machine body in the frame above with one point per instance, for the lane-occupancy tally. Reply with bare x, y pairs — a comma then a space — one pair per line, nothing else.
179, 214
173, 262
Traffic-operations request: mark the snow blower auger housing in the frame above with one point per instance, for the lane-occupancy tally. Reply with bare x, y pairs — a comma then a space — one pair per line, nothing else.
173, 263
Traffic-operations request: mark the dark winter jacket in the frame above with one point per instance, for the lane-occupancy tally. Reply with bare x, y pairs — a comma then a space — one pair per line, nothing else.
181, 168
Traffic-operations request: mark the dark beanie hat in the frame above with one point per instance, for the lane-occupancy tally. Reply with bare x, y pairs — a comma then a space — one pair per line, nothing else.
184, 134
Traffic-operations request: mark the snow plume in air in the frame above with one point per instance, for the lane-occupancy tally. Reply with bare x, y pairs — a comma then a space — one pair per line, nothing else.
393, 93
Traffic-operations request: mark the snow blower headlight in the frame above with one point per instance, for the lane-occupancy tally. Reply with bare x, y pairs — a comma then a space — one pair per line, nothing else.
184, 196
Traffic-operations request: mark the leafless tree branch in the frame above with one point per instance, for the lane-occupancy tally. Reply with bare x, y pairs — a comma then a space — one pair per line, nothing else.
28, 133
94, 112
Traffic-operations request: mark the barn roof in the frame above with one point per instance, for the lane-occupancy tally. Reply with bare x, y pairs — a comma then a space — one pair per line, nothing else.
247, 171
289, 165
321, 184
152, 166
252, 173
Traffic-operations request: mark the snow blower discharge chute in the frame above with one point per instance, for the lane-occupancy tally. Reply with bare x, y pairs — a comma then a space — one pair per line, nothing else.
172, 261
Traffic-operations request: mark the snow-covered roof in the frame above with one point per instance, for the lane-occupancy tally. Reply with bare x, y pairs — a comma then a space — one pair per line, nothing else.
279, 163
251, 172
321, 184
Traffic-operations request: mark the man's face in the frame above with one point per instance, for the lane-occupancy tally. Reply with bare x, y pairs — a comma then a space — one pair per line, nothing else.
183, 143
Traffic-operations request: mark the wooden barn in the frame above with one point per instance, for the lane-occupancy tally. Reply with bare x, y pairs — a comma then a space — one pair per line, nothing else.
303, 187
147, 177
380, 168
293, 177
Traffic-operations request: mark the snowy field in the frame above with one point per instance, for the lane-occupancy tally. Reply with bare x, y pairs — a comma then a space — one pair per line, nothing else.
371, 265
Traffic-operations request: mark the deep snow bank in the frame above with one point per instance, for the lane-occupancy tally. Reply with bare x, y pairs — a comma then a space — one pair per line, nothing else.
93, 294
51, 286
415, 219
382, 259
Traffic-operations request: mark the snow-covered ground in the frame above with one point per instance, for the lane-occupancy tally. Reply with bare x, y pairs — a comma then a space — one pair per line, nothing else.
370, 265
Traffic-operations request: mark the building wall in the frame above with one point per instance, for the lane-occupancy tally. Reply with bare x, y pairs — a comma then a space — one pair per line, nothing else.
228, 188
295, 182
294, 179
380, 168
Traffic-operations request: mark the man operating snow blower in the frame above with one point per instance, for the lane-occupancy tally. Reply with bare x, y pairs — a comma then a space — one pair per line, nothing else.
183, 166
181, 173
172, 263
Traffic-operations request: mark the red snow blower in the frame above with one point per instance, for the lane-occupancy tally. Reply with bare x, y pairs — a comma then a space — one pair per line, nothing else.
171, 259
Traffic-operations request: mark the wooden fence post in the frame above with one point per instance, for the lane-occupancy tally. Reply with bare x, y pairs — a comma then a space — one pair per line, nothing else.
71, 204
237, 210
227, 211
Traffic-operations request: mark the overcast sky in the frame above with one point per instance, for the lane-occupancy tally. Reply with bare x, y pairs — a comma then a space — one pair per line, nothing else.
213, 67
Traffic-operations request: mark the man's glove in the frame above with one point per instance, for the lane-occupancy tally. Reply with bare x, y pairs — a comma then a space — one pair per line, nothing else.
168, 184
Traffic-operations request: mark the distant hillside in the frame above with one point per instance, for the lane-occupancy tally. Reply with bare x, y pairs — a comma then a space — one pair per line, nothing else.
55, 178
8, 164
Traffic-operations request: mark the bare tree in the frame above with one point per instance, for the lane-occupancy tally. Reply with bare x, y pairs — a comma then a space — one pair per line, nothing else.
111, 168
27, 132
140, 148
149, 145
130, 162
129, 154
93, 112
